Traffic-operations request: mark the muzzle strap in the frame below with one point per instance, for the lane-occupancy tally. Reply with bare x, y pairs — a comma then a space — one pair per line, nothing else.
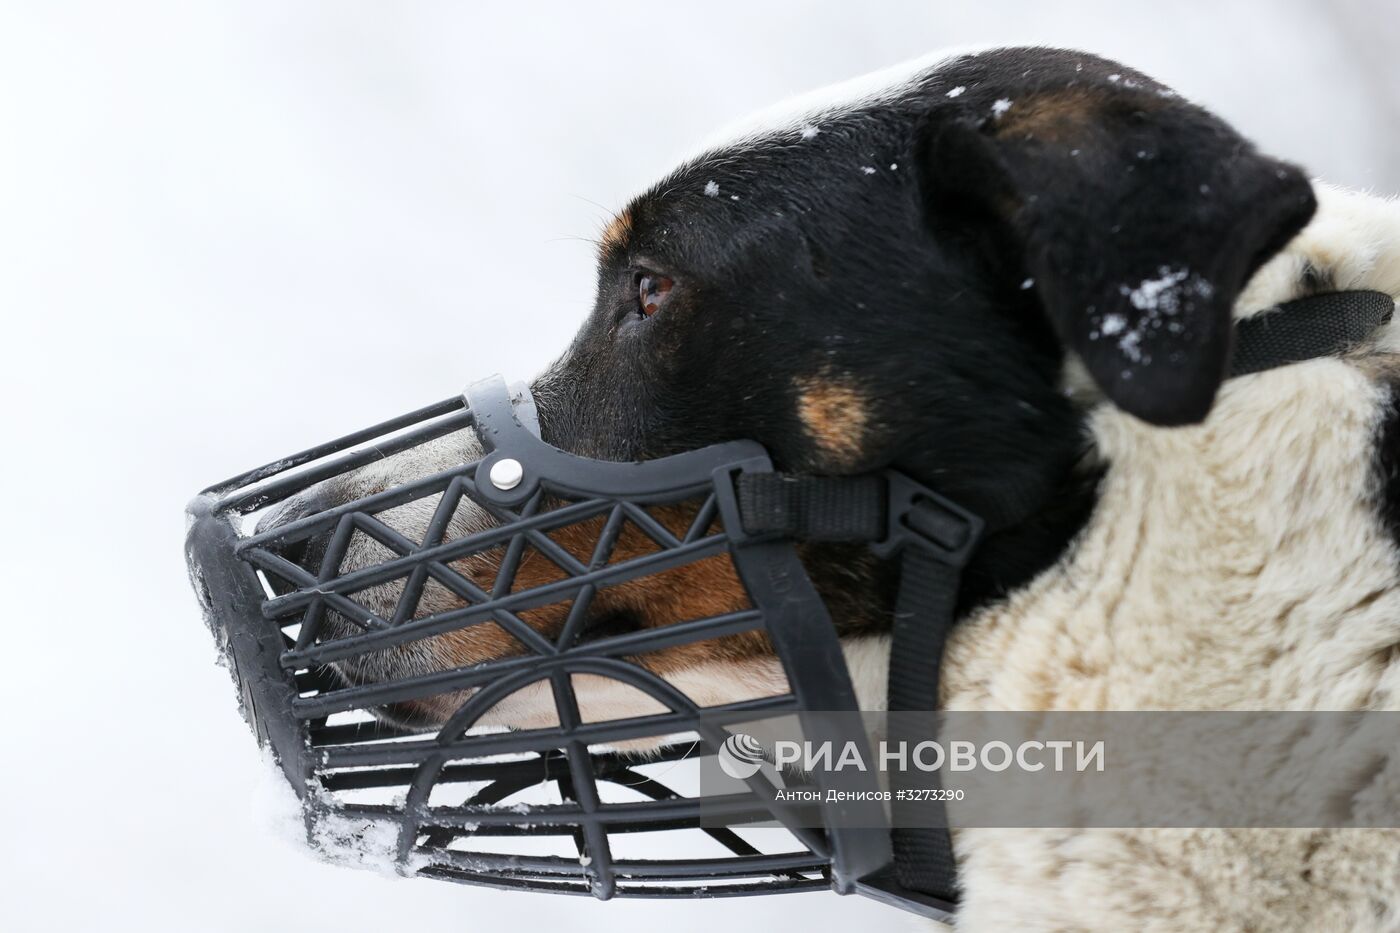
923, 618
935, 538
813, 508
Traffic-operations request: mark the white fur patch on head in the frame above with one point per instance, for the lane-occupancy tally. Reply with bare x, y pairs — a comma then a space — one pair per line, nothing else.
802, 116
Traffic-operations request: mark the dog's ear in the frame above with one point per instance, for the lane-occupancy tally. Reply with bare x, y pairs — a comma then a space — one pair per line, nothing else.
1135, 216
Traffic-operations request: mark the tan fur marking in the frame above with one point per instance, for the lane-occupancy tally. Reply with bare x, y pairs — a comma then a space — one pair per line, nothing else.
836, 414
707, 587
617, 231
1060, 116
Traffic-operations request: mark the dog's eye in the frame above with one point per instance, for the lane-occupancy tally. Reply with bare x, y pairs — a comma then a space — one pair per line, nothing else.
652, 290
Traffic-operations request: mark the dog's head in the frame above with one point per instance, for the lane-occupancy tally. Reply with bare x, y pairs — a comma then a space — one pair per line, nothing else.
902, 279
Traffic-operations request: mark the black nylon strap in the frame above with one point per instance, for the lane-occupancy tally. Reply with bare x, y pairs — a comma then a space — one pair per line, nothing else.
939, 538
923, 618
1308, 328
813, 508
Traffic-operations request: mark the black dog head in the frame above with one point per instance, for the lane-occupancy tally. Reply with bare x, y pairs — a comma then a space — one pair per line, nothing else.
904, 281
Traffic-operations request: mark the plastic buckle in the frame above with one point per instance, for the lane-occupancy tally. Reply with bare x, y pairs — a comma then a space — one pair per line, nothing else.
918, 516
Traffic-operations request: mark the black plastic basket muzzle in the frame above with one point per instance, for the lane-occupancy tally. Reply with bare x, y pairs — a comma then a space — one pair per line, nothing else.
441, 798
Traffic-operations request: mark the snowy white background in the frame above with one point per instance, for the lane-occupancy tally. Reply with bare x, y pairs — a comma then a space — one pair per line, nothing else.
208, 211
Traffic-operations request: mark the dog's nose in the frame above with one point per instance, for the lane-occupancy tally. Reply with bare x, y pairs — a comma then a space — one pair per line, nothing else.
306, 551
297, 551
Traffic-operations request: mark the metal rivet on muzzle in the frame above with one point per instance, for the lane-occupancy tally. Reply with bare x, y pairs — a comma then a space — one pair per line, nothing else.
507, 473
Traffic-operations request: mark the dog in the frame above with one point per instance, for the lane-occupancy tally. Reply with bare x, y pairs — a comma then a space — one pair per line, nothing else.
1017, 268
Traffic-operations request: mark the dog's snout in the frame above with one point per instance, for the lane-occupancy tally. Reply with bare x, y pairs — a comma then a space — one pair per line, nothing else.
306, 550
297, 551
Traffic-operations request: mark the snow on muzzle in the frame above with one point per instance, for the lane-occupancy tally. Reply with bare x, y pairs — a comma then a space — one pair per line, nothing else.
362, 665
